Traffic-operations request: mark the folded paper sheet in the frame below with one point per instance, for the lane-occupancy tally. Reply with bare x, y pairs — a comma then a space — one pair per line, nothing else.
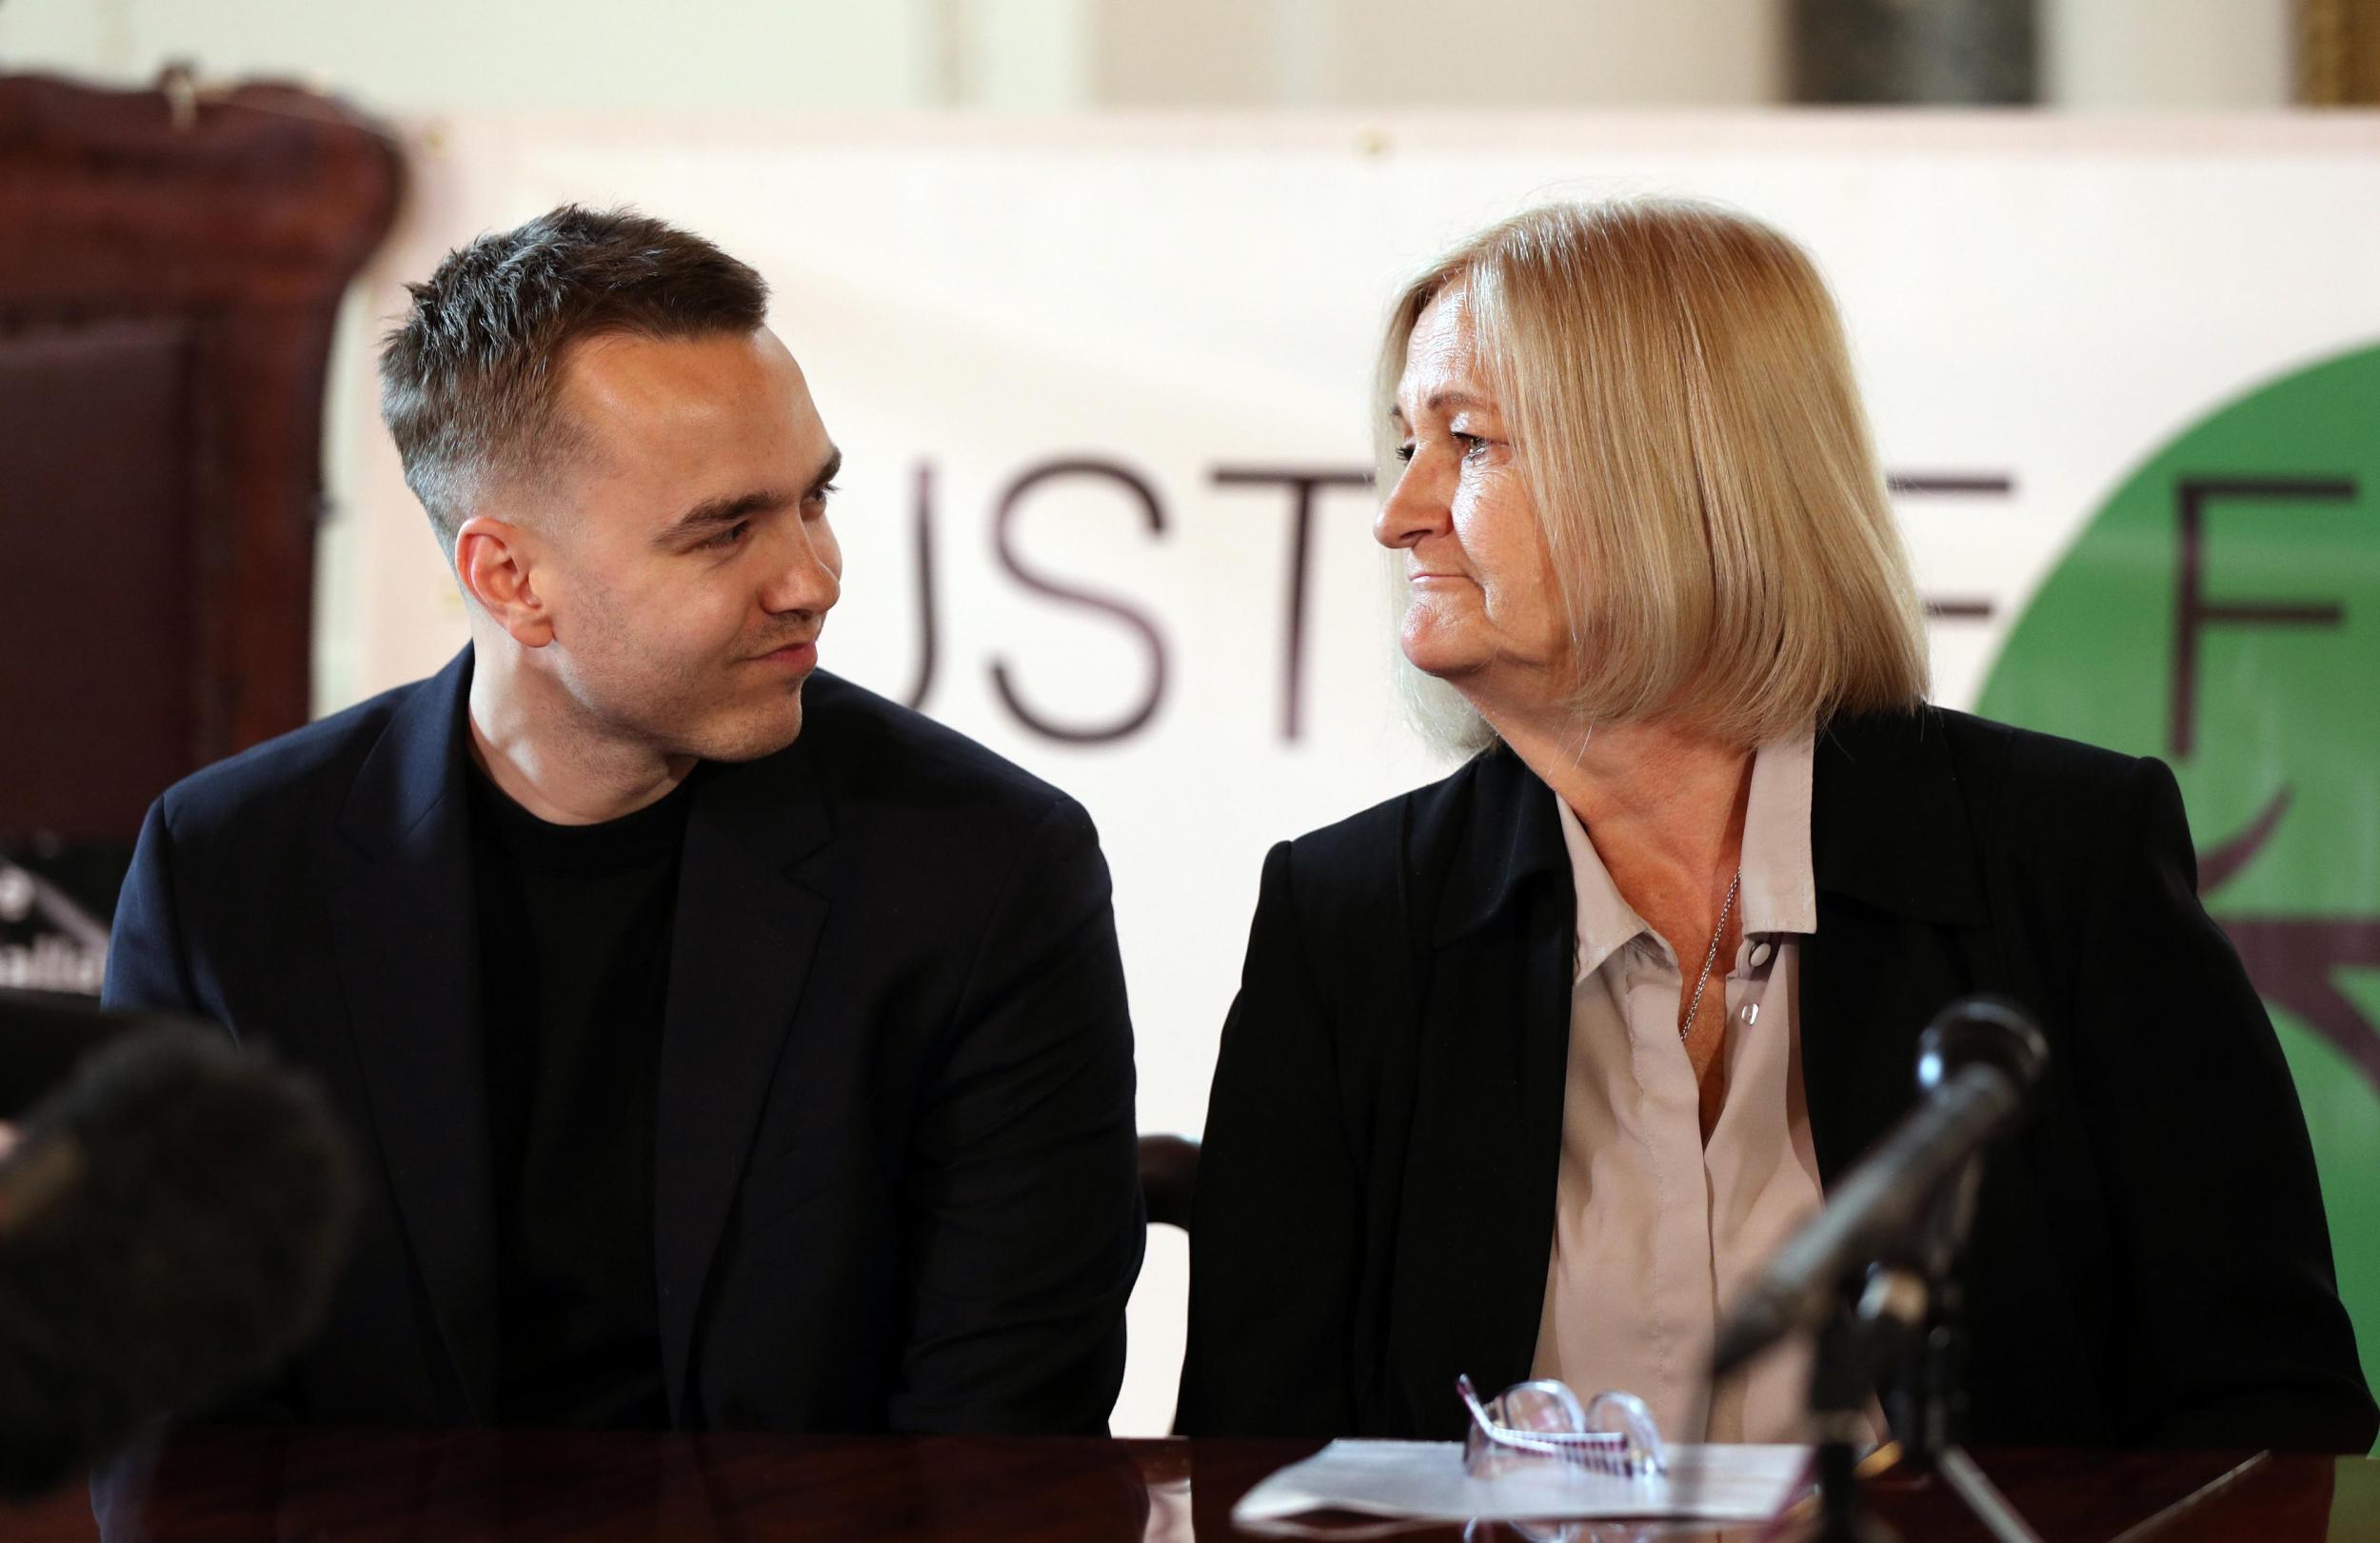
1425, 1480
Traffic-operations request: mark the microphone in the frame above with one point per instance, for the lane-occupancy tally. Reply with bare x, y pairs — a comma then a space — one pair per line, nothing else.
45, 1035
1976, 1061
171, 1224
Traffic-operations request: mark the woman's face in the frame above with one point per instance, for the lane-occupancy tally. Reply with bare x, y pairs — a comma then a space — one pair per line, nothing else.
1485, 612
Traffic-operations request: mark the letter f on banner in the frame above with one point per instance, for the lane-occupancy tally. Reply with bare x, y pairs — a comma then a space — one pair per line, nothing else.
2193, 612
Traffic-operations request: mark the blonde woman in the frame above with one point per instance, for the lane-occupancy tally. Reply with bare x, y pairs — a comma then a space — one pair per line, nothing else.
1533, 1067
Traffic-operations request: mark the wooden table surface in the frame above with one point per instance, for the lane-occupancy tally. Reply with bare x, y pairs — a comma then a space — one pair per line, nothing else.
468, 1487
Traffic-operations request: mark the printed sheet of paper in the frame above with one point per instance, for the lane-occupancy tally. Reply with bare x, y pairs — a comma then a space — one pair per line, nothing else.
1425, 1480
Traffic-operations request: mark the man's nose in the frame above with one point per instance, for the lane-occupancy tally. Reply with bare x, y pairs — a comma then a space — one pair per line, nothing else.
805, 579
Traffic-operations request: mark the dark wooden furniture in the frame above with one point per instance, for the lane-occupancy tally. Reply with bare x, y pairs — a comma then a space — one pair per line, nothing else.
171, 264
329, 1485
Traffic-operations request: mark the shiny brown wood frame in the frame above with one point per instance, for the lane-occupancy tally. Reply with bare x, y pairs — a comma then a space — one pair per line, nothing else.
171, 264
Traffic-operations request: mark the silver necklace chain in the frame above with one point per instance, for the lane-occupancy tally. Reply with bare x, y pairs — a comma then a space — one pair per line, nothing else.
1711, 957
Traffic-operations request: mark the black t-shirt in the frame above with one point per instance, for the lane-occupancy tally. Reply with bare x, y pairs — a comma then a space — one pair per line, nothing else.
574, 973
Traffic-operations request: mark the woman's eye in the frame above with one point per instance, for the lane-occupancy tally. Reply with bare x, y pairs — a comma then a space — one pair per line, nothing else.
1404, 453
1472, 445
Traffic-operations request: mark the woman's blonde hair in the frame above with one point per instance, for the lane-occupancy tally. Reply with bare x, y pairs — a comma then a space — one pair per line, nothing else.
1685, 419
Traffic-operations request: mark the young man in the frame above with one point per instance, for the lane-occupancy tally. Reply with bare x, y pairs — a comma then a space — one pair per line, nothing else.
728, 1047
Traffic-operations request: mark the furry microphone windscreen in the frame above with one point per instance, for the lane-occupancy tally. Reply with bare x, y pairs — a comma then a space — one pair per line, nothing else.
171, 1223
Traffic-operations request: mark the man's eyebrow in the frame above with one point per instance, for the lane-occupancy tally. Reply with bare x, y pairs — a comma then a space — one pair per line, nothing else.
719, 513
828, 469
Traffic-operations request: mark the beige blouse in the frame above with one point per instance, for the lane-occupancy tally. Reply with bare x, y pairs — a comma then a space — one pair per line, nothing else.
1654, 1231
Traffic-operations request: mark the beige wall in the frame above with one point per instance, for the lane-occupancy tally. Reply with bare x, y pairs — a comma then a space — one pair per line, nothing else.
2195, 55
415, 56
440, 55
1430, 53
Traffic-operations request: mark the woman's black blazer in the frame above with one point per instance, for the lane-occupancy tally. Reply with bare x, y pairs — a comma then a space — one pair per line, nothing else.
2151, 1263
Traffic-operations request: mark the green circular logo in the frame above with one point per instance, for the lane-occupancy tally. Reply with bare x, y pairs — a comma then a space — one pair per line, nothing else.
2223, 611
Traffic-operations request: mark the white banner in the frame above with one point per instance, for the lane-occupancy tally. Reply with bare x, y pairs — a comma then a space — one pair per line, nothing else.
1101, 388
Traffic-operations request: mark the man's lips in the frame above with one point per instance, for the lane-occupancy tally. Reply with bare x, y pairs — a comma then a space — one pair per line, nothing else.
791, 654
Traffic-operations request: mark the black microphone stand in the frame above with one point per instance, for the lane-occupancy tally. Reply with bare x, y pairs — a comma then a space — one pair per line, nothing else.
1912, 1314
1850, 1348
1877, 1274
1930, 1395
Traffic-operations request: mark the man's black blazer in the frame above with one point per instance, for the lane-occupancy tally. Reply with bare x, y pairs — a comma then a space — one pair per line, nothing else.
1374, 1206
894, 1178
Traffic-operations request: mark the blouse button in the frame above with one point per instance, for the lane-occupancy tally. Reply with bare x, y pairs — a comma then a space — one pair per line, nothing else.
1761, 953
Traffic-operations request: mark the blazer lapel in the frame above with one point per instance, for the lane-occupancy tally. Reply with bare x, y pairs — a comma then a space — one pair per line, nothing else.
1492, 1060
1902, 913
739, 954
403, 917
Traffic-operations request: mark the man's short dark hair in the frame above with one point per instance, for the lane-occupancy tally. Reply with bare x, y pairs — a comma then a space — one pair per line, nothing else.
468, 380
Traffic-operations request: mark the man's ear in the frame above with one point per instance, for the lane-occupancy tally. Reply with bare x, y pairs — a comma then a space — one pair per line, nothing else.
495, 562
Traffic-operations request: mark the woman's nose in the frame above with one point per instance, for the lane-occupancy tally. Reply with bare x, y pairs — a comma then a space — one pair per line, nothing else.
1418, 506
